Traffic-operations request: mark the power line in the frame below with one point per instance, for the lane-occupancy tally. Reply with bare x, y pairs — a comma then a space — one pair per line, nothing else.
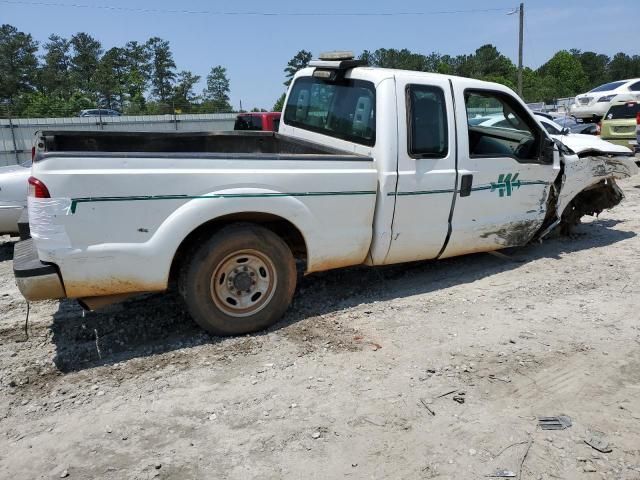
253, 13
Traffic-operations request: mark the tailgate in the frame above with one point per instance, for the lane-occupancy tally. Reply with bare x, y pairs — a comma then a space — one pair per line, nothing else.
618, 129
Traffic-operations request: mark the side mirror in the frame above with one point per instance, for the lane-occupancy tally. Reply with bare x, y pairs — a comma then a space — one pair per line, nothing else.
566, 131
549, 150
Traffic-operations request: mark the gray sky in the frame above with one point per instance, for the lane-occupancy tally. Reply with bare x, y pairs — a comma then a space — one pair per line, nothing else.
255, 48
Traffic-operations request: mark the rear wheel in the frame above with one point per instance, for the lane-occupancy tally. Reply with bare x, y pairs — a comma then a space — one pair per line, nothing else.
240, 280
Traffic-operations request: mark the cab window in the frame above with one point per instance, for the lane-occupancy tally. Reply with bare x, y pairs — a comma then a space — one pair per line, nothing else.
344, 109
427, 119
505, 129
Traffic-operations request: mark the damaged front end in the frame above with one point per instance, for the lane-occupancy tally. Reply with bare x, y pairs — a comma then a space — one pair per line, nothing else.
586, 186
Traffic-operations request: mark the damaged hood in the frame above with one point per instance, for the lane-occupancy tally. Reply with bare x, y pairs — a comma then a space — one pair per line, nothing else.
581, 144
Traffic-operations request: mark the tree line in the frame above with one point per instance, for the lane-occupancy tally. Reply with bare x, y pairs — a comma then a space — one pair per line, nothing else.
65, 75
566, 74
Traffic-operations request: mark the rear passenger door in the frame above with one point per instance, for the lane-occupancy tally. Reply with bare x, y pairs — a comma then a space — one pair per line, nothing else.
426, 168
505, 177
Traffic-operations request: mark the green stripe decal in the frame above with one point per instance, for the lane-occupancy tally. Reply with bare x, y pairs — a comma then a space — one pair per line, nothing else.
420, 192
474, 189
76, 201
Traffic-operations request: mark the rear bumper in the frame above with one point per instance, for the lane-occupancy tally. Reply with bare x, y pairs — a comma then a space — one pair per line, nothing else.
36, 280
23, 225
596, 110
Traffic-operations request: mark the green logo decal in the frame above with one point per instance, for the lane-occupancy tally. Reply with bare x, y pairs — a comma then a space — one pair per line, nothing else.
506, 184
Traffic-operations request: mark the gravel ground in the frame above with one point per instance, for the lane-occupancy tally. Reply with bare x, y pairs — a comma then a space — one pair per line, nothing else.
426, 370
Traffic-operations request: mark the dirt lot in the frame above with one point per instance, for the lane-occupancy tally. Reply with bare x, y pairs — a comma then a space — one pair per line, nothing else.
344, 386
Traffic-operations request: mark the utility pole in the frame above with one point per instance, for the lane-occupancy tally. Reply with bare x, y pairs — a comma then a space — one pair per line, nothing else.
520, 46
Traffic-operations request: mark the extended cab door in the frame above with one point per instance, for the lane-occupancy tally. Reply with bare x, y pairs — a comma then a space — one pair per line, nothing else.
426, 168
505, 171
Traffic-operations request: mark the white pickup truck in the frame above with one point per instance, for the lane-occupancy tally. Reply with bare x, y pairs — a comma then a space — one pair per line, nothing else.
370, 166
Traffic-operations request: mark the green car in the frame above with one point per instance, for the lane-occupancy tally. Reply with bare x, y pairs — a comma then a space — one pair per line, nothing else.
619, 124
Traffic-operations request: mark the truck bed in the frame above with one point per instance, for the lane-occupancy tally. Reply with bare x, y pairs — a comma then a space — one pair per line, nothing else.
158, 143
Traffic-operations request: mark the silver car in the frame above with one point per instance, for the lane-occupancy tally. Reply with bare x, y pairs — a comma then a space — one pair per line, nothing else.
13, 195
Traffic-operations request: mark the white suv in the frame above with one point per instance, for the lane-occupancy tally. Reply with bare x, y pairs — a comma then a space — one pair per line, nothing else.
594, 104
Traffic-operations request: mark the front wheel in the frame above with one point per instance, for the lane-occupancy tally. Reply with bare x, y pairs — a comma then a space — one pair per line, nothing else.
238, 281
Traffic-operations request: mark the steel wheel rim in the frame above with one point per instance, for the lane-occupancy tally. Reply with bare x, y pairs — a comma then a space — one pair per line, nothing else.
243, 283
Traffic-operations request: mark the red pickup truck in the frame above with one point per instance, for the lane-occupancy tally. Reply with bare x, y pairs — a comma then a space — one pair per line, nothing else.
262, 121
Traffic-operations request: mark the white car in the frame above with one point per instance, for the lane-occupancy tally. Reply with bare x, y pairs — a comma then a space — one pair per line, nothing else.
595, 103
13, 195
578, 142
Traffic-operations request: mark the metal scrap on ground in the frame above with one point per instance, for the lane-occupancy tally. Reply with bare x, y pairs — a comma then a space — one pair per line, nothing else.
554, 423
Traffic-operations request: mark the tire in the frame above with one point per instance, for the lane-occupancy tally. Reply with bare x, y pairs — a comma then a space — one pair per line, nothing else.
239, 280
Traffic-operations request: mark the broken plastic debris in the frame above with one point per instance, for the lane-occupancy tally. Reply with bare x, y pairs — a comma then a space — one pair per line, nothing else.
502, 474
459, 398
554, 423
597, 441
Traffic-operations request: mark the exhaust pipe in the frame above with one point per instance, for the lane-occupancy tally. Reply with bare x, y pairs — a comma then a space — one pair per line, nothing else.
96, 303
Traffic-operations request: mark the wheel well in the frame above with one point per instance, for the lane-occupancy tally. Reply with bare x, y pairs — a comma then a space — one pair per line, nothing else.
278, 225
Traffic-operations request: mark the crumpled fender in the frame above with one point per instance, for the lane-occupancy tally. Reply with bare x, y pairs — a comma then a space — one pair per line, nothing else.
582, 173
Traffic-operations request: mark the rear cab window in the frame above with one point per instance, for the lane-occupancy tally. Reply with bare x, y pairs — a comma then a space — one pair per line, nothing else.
623, 112
345, 109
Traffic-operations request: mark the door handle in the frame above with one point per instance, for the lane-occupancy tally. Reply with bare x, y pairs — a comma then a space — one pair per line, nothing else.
466, 183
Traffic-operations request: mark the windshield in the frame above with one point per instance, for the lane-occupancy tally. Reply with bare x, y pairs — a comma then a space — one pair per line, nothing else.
608, 87
626, 111
344, 109
248, 122
565, 121
551, 127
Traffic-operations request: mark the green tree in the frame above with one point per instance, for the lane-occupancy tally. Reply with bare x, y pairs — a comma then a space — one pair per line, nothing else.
138, 74
488, 62
401, 59
216, 94
162, 68
39, 104
18, 62
594, 66
298, 62
279, 105
84, 63
55, 74
445, 65
532, 87
111, 79
183, 91
563, 76
623, 66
